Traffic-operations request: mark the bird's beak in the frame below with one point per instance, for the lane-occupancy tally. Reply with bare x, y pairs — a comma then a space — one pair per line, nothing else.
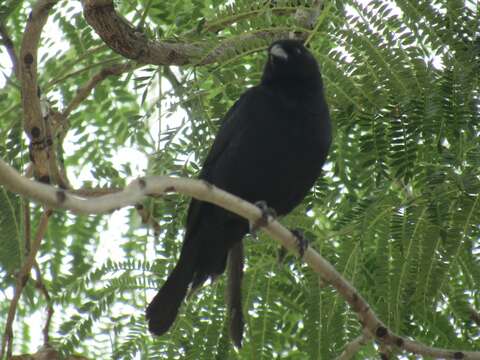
277, 51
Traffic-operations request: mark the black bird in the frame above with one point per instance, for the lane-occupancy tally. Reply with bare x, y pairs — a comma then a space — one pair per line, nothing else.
270, 147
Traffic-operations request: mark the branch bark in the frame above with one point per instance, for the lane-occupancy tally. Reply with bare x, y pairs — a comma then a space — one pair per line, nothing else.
84, 91
33, 117
127, 41
22, 278
158, 185
354, 346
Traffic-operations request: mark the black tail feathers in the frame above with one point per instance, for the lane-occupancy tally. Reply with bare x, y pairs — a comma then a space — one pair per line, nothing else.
203, 256
234, 293
163, 309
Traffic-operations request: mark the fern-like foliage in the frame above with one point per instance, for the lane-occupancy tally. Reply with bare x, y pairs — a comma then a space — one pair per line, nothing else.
397, 209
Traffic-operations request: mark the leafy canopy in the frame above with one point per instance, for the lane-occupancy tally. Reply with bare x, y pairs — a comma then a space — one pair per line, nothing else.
397, 211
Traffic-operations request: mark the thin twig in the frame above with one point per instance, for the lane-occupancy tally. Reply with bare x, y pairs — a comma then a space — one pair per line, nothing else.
84, 91
354, 346
40, 285
22, 278
8, 43
27, 228
220, 24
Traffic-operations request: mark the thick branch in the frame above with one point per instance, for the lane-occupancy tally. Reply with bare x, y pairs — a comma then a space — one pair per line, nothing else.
158, 185
125, 40
33, 118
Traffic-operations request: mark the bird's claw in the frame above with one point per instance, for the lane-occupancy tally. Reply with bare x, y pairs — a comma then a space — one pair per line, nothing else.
302, 242
268, 214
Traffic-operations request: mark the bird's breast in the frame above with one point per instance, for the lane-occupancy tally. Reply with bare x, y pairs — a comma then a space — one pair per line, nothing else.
285, 159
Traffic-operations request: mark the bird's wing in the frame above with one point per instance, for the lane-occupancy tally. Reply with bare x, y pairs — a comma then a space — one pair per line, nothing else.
238, 118
232, 125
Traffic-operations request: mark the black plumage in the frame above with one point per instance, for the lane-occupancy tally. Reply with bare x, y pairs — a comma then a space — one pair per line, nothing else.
270, 147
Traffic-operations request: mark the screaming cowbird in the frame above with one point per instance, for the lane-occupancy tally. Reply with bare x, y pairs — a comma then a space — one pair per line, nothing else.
271, 147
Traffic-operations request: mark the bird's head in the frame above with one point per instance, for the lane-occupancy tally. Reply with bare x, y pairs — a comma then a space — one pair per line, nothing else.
290, 62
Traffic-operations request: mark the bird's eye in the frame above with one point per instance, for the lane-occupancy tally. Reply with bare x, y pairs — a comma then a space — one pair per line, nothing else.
298, 51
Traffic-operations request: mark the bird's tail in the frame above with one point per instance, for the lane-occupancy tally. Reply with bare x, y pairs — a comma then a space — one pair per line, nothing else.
234, 294
163, 309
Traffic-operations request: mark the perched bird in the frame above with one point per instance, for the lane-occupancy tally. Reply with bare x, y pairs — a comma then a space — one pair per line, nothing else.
270, 147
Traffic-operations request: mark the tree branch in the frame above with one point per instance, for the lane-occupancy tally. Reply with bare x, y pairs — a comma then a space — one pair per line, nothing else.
127, 41
84, 91
354, 346
40, 285
33, 117
22, 278
386, 352
220, 24
8, 43
201, 190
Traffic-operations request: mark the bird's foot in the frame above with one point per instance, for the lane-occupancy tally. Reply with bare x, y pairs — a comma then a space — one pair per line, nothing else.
268, 214
302, 242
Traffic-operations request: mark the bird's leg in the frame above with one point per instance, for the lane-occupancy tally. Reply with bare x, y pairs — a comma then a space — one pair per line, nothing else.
268, 214
302, 242
282, 252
